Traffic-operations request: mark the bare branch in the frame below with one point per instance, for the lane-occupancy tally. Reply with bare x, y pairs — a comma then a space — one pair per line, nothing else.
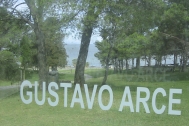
19, 4
22, 17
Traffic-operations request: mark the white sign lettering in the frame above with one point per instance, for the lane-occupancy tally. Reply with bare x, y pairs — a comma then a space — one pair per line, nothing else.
142, 97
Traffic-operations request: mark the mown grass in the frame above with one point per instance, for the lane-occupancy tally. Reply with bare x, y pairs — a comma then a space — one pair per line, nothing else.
96, 73
14, 112
66, 77
5, 82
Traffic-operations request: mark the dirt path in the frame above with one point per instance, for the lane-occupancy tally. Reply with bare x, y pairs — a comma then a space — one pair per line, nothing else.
6, 91
87, 77
9, 87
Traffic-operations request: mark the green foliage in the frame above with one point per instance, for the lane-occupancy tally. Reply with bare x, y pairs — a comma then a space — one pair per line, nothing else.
177, 16
25, 49
128, 27
74, 62
174, 29
157, 47
9, 68
56, 53
103, 48
87, 64
11, 30
134, 45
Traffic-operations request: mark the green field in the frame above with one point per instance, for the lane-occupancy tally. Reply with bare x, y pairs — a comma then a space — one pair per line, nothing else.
14, 112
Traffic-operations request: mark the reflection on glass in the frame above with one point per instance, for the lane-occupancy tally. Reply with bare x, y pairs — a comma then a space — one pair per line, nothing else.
122, 62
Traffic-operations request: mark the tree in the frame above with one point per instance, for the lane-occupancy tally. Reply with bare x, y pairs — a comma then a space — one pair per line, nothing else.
87, 64
132, 20
12, 29
176, 15
89, 22
102, 51
25, 49
9, 69
56, 53
34, 15
37, 13
74, 62
109, 35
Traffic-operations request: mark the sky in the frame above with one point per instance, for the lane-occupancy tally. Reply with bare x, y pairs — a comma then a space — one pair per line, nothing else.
70, 39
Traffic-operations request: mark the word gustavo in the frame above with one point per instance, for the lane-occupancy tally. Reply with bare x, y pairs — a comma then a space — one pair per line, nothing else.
90, 100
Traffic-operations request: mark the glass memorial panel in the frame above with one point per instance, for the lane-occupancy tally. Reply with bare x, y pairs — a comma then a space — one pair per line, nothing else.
94, 63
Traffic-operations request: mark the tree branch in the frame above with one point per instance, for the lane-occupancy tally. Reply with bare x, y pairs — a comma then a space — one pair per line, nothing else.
22, 17
19, 5
171, 36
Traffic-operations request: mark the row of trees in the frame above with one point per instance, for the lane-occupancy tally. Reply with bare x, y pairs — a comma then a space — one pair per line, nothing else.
144, 30
129, 28
24, 45
45, 21
74, 63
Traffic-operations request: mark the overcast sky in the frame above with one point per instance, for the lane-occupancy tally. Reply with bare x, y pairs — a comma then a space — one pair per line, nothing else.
72, 40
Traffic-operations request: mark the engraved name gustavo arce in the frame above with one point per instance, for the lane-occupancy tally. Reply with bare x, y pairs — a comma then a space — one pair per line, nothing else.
143, 97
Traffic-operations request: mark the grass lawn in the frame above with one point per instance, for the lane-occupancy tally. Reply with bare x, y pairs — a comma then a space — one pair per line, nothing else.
5, 82
14, 112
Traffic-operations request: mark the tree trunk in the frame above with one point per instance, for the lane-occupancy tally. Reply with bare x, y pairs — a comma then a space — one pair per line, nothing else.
41, 55
37, 16
165, 60
105, 75
126, 64
132, 63
184, 67
138, 62
145, 60
149, 60
81, 60
115, 66
121, 65
175, 61
23, 73
107, 67
89, 22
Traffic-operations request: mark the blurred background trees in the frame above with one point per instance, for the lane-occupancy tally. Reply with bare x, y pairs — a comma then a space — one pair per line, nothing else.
32, 37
